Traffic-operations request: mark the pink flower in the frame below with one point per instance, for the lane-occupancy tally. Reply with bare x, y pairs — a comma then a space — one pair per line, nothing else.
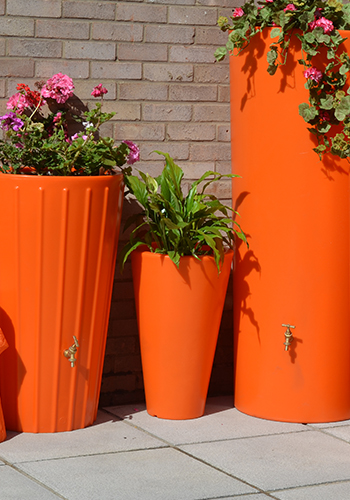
99, 90
18, 102
134, 154
324, 23
59, 88
290, 7
238, 12
324, 116
313, 73
269, 1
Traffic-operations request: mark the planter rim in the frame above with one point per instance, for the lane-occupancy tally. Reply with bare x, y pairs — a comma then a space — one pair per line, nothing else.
62, 177
146, 250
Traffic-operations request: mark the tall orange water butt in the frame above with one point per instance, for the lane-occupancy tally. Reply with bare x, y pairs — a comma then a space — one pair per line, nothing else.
59, 240
179, 313
295, 210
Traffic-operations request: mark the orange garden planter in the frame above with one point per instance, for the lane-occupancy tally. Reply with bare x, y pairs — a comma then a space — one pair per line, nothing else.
3, 346
59, 239
179, 313
296, 215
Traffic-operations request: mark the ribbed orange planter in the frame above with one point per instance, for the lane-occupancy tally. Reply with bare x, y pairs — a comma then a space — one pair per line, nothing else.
3, 346
296, 212
179, 314
59, 239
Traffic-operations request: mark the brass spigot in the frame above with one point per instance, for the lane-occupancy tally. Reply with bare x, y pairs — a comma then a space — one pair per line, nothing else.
70, 352
288, 336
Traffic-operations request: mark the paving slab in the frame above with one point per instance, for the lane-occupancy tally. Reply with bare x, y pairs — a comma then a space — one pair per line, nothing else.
333, 491
16, 486
218, 423
342, 432
151, 474
106, 435
279, 461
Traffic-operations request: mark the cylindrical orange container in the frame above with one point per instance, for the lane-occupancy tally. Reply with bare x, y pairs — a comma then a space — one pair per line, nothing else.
59, 237
179, 313
295, 210
3, 346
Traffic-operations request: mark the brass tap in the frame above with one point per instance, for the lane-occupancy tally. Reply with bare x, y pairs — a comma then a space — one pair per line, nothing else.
70, 352
288, 336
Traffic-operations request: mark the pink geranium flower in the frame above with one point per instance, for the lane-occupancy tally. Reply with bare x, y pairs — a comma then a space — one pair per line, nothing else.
59, 87
238, 12
313, 73
134, 154
99, 90
290, 7
324, 23
18, 102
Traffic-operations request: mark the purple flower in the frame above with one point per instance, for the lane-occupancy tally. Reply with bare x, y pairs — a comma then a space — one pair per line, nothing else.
134, 154
11, 121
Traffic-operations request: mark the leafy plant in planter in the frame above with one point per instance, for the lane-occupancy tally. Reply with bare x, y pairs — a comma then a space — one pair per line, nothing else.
177, 225
316, 23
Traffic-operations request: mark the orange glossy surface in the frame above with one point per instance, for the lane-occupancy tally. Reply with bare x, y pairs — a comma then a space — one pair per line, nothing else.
295, 210
179, 314
56, 275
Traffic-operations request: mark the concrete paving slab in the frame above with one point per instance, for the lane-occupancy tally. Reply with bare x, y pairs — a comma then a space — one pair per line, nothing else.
331, 424
16, 486
163, 473
333, 491
342, 432
219, 422
107, 435
258, 496
279, 461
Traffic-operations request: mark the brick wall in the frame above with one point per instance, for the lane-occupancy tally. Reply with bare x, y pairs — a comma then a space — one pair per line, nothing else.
156, 60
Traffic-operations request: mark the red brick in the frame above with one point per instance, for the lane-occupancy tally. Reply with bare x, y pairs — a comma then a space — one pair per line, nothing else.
46, 28
34, 8
223, 93
192, 92
192, 15
224, 134
191, 132
178, 151
34, 48
141, 13
143, 91
16, 27
210, 36
142, 52
2, 7
223, 167
90, 50
89, 10
209, 151
2, 88
117, 31
168, 72
75, 69
194, 170
124, 111
17, 67
116, 70
192, 53
167, 112
2, 47
169, 34
213, 73
140, 131
211, 113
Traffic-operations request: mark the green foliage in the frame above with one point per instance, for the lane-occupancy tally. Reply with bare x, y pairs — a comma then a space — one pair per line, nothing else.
316, 23
176, 224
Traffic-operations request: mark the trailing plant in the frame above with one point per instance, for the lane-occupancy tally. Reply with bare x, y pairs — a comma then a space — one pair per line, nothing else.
316, 23
176, 224
66, 141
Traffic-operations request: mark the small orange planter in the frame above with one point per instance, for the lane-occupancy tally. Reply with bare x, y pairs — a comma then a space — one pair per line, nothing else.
296, 212
179, 313
59, 235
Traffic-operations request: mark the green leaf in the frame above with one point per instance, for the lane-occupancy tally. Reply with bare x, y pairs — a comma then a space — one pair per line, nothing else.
275, 32
220, 53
